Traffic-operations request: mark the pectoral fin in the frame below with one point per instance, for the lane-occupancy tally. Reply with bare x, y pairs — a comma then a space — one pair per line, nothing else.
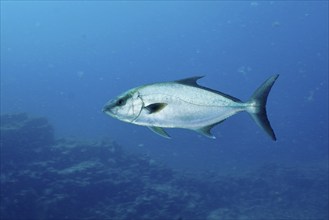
155, 107
160, 131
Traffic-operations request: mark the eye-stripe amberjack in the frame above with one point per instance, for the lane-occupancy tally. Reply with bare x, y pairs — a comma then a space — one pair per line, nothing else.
185, 104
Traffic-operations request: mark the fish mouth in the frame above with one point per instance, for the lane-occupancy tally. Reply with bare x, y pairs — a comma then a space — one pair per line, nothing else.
105, 109
108, 108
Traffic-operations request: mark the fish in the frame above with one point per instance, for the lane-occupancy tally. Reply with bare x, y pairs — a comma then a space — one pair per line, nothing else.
186, 104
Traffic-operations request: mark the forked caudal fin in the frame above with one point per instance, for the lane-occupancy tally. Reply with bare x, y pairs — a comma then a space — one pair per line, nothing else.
257, 106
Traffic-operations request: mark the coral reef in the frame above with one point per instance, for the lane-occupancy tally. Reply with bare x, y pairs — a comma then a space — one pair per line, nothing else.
47, 178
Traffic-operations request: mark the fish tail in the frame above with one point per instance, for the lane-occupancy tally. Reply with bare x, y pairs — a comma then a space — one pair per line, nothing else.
257, 106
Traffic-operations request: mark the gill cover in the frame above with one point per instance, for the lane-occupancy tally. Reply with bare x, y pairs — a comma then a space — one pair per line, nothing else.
125, 107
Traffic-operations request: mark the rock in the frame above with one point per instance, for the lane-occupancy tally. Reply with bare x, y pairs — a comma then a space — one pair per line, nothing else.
22, 138
47, 178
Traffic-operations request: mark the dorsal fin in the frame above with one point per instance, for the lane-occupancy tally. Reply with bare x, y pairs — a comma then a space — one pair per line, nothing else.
192, 81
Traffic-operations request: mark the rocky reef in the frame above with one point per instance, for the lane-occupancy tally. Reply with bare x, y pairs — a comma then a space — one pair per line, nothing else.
47, 178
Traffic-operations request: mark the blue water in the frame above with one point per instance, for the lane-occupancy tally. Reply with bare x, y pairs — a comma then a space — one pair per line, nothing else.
65, 60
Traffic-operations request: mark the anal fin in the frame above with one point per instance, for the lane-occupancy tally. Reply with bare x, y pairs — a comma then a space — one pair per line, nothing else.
206, 130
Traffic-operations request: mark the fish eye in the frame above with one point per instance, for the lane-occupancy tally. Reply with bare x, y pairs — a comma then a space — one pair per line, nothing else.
121, 102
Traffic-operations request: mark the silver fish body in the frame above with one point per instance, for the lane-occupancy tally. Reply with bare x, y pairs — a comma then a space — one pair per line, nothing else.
185, 104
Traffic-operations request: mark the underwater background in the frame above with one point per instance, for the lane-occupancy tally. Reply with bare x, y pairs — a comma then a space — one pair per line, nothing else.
63, 158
